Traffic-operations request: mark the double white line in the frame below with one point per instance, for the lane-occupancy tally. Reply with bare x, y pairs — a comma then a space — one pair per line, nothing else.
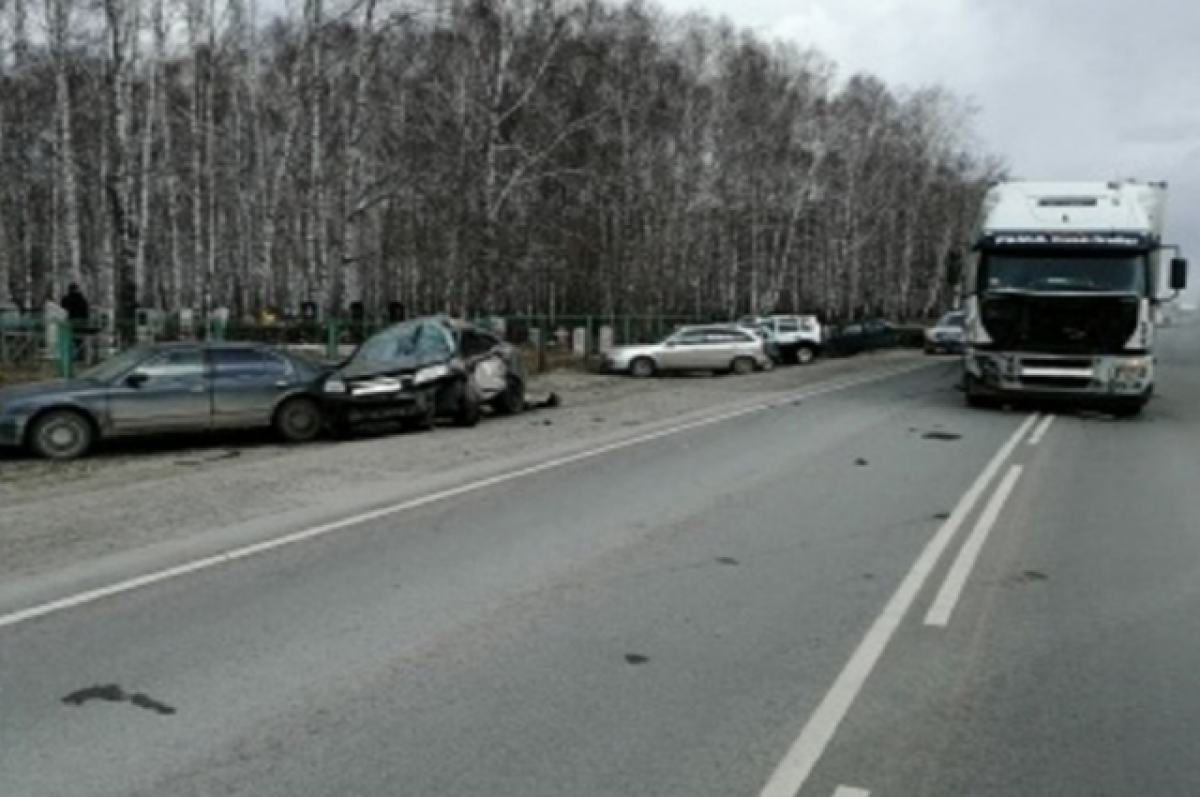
792, 773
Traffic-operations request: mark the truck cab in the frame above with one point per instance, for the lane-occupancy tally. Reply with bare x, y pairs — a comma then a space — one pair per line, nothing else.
1061, 294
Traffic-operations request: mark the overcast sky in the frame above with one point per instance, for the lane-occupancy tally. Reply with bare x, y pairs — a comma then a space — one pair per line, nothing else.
1068, 89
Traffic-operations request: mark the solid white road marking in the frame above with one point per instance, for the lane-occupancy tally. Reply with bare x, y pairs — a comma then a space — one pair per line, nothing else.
793, 771
149, 579
1040, 431
947, 597
847, 791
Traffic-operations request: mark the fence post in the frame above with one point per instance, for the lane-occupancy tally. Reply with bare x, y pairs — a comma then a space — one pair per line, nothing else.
331, 339
66, 349
627, 323
543, 333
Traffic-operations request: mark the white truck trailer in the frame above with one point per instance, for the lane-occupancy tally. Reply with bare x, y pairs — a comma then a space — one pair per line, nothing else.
1061, 293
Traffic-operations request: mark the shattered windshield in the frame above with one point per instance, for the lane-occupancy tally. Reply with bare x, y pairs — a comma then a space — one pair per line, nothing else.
421, 339
1065, 272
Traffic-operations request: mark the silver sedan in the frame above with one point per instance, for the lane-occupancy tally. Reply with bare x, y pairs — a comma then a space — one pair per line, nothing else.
184, 387
701, 348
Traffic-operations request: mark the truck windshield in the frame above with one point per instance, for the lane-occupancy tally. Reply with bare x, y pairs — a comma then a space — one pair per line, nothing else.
1064, 272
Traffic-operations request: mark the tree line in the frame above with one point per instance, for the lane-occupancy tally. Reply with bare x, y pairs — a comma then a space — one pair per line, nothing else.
465, 156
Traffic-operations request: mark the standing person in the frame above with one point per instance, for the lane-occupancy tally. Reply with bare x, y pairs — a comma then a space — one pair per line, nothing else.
76, 305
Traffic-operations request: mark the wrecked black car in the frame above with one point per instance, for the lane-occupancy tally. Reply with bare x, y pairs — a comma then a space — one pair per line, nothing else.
424, 369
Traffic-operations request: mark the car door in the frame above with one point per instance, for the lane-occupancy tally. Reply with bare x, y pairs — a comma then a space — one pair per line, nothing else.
246, 385
170, 392
718, 351
683, 351
788, 331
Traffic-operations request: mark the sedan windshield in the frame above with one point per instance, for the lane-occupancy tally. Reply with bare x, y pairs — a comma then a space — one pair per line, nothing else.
1065, 272
117, 366
420, 339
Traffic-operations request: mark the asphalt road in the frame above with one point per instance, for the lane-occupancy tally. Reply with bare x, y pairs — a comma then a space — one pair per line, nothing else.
741, 608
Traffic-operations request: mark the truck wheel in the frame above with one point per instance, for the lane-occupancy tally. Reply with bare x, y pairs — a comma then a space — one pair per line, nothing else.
298, 420
805, 354
642, 368
974, 399
61, 435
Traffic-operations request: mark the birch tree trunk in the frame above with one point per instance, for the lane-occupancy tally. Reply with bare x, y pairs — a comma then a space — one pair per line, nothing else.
67, 229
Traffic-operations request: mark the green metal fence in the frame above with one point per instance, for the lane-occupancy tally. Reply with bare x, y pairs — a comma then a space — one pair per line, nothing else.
63, 348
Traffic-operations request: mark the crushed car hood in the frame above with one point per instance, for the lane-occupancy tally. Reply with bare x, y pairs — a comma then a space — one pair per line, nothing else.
398, 367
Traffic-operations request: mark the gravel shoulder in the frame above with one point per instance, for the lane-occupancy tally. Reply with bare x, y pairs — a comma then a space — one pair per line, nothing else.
147, 494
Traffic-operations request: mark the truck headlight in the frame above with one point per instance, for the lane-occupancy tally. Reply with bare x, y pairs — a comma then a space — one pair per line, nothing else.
1133, 368
431, 373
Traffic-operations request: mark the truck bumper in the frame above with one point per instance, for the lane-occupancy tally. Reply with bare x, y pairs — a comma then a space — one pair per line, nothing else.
1095, 378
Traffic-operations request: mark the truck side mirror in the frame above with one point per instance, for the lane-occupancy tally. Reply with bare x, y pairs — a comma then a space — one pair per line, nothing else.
1179, 273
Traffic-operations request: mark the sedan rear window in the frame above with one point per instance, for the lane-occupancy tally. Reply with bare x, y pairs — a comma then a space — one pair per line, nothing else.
246, 363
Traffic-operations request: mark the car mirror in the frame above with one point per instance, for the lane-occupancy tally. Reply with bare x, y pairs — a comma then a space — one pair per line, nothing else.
136, 380
1179, 273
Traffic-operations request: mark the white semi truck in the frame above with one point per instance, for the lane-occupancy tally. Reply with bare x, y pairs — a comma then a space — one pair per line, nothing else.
1061, 293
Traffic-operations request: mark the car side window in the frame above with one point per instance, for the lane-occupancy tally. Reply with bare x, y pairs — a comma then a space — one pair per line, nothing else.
247, 363
177, 364
729, 336
691, 337
789, 325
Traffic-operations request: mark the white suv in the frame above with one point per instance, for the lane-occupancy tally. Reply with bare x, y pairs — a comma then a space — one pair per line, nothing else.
794, 338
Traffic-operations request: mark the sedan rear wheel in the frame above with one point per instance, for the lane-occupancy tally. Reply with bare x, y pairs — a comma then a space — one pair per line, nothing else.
61, 435
298, 420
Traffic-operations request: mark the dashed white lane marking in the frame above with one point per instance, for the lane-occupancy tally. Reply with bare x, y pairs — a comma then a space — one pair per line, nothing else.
947, 597
847, 791
794, 770
1041, 430
197, 565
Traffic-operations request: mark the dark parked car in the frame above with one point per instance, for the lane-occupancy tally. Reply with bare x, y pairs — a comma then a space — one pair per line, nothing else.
867, 335
154, 389
426, 368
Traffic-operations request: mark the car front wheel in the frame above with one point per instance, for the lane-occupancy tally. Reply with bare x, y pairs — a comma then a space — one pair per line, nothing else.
469, 406
642, 367
61, 435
